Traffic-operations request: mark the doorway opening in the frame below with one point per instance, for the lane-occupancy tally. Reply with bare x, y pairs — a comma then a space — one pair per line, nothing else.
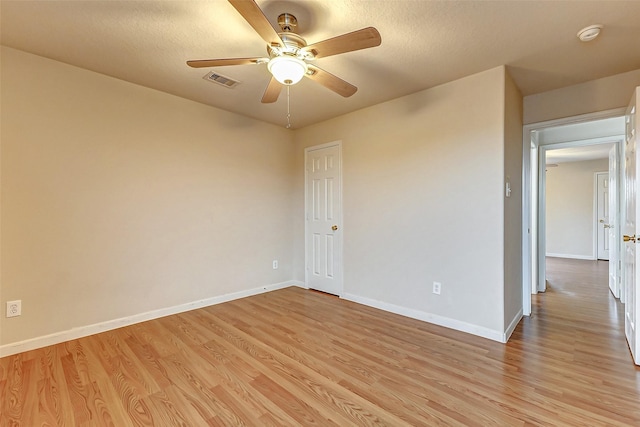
573, 135
577, 209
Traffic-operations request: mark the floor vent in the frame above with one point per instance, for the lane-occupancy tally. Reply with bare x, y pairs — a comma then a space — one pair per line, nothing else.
221, 80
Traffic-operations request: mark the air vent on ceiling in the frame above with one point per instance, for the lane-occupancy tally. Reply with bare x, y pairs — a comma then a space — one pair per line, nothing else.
221, 80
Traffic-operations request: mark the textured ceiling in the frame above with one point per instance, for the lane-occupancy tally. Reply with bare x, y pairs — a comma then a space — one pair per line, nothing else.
424, 44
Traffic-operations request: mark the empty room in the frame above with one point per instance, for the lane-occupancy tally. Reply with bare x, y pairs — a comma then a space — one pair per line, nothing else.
293, 213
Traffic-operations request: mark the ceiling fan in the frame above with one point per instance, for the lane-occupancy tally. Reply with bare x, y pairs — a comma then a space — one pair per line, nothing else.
290, 56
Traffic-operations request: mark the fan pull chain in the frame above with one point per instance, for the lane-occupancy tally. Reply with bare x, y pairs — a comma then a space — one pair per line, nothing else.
288, 109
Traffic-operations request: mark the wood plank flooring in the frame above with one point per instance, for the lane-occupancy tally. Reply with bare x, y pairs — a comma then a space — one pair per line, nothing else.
296, 357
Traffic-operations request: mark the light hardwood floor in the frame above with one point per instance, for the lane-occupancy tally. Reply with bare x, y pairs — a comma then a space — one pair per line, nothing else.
298, 357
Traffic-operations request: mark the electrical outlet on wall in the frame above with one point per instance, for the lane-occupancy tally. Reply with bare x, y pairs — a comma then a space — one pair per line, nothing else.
14, 308
275, 264
437, 286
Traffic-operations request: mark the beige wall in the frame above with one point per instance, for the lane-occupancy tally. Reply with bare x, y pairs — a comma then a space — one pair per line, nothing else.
423, 193
513, 204
597, 95
569, 208
118, 199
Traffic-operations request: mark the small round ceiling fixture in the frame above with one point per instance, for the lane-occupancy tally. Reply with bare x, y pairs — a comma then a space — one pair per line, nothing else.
589, 33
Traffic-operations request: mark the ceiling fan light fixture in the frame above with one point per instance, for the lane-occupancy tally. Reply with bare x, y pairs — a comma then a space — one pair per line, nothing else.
287, 69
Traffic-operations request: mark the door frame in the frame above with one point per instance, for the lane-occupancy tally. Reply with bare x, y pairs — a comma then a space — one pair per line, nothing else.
596, 220
533, 201
615, 236
340, 239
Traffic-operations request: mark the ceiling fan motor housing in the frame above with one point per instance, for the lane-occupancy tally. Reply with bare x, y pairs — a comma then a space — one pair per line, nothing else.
292, 43
287, 22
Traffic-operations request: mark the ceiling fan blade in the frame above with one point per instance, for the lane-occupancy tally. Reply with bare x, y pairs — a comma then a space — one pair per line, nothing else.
331, 82
255, 17
203, 63
272, 92
361, 39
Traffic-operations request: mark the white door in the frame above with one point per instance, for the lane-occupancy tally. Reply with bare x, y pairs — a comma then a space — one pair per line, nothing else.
631, 230
614, 247
602, 207
323, 208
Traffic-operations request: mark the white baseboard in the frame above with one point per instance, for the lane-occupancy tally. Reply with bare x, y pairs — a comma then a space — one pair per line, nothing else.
430, 318
570, 256
83, 331
512, 326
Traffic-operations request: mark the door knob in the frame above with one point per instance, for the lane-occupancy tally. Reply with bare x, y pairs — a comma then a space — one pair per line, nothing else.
334, 228
629, 238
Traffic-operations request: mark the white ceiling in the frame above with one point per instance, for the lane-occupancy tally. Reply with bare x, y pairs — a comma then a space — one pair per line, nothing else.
424, 44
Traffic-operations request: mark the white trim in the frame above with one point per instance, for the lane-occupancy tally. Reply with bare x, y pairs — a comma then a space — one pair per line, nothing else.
512, 326
615, 260
541, 274
430, 318
96, 328
325, 145
529, 219
611, 139
596, 195
570, 256
589, 117
594, 218
527, 226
